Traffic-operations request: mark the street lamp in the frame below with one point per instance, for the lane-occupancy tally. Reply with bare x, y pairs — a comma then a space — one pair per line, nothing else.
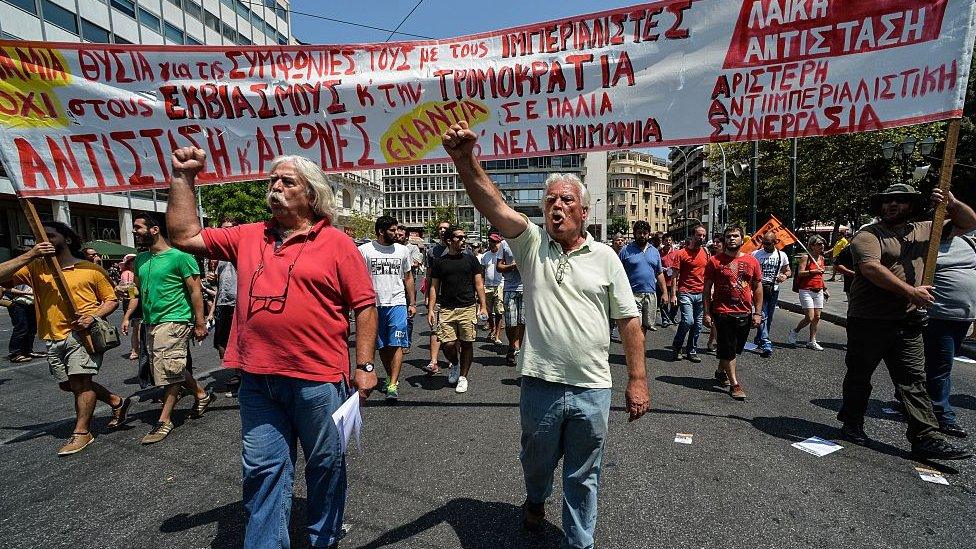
905, 152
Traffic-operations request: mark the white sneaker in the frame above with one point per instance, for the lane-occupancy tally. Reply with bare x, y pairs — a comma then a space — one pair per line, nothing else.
792, 337
455, 374
462, 385
814, 345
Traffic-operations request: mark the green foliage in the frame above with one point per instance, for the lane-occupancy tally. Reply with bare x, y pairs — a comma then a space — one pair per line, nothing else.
446, 213
363, 225
617, 224
242, 201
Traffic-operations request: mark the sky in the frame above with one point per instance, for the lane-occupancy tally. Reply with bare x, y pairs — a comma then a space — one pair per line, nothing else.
432, 18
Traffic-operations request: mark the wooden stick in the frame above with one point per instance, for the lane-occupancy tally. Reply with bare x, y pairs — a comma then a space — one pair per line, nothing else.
54, 267
945, 181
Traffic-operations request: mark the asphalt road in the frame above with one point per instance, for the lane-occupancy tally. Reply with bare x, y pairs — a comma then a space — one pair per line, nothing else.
440, 470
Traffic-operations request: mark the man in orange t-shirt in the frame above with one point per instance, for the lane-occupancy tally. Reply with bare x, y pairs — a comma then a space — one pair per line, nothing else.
690, 263
94, 296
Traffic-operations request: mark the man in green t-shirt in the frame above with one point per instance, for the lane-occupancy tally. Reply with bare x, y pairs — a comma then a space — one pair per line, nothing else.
172, 309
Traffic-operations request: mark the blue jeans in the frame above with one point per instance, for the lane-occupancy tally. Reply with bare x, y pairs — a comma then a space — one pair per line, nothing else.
762, 333
276, 413
943, 339
691, 306
563, 421
24, 330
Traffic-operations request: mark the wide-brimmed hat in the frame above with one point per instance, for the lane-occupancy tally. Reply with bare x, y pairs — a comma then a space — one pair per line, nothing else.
898, 189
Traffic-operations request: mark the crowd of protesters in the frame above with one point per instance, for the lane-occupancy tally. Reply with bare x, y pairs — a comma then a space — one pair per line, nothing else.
278, 298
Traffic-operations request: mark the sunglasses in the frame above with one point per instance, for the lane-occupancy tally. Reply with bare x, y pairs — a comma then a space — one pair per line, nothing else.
897, 200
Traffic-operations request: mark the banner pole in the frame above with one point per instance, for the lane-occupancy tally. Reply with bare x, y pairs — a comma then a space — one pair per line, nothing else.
54, 267
945, 181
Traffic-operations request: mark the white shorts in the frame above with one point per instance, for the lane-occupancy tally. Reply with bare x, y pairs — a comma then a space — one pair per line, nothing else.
811, 299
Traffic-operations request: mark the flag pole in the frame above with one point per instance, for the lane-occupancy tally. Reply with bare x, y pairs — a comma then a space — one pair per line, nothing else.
945, 181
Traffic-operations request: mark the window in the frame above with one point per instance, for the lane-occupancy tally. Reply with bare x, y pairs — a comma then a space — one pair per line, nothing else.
125, 6
26, 5
241, 39
120, 40
193, 9
193, 41
177, 3
282, 39
211, 20
241, 9
174, 34
228, 32
149, 20
93, 33
59, 16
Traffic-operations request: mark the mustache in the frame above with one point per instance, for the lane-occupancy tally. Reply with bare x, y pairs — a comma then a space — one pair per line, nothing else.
277, 197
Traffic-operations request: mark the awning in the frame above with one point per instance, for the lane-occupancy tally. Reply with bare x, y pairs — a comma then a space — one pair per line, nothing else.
108, 249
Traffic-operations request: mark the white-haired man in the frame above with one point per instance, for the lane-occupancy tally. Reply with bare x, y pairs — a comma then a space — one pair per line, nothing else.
573, 285
297, 279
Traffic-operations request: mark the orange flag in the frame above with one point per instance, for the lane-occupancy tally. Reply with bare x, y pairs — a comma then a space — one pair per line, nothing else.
785, 236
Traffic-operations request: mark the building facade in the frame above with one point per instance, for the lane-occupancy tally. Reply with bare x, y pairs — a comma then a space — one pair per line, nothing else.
638, 188
692, 196
357, 193
176, 22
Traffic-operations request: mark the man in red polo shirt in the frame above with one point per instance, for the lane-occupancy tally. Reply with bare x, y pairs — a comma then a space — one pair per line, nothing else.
735, 306
690, 264
298, 277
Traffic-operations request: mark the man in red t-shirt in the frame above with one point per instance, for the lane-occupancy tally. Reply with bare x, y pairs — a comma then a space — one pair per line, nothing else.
733, 301
689, 262
298, 278
669, 309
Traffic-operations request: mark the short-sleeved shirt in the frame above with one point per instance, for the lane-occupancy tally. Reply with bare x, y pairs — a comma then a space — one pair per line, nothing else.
732, 280
88, 284
955, 279
493, 277
387, 265
291, 317
691, 270
567, 332
772, 264
667, 263
226, 284
455, 274
513, 278
846, 258
163, 294
902, 251
416, 257
642, 267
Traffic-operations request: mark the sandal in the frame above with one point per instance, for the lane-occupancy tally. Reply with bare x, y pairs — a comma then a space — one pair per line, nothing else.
432, 369
119, 413
20, 358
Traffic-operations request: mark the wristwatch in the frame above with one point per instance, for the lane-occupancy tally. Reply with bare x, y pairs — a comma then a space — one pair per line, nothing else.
367, 367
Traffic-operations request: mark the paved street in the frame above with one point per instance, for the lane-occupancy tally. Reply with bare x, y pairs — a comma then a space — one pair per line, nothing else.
440, 470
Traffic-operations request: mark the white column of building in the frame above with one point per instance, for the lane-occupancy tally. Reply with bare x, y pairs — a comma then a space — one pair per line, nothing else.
125, 227
61, 209
596, 181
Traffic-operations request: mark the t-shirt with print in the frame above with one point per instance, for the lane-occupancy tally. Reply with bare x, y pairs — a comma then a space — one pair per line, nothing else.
162, 291
513, 279
88, 284
387, 265
732, 280
902, 251
456, 276
955, 279
691, 270
226, 284
567, 315
772, 264
493, 277
642, 267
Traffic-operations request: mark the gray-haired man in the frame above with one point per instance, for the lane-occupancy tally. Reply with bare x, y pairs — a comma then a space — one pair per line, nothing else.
573, 285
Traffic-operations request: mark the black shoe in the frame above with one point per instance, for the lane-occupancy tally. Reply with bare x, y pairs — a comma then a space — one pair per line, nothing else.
533, 516
855, 433
939, 448
694, 358
953, 430
766, 353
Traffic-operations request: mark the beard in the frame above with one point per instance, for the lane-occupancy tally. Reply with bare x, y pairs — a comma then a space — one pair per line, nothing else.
276, 199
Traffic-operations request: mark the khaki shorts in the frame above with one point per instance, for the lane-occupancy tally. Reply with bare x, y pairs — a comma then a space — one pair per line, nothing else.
68, 357
647, 305
495, 300
457, 324
169, 345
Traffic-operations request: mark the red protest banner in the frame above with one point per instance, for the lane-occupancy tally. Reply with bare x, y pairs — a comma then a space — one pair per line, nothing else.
83, 118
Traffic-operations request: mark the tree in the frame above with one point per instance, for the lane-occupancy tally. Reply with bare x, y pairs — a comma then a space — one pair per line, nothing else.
617, 224
362, 225
245, 202
446, 213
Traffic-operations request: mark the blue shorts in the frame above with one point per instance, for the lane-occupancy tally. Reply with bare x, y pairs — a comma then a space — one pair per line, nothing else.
391, 327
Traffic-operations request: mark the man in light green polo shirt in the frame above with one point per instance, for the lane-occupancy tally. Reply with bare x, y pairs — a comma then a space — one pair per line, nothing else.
573, 286
172, 310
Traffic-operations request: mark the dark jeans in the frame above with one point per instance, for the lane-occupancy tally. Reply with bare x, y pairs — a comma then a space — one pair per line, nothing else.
943, 339
899, 344
24, 329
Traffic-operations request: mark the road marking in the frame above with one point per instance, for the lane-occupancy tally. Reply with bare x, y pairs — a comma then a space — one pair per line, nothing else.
100, 408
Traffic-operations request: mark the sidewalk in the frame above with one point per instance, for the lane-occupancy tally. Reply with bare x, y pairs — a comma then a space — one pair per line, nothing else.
835, 309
